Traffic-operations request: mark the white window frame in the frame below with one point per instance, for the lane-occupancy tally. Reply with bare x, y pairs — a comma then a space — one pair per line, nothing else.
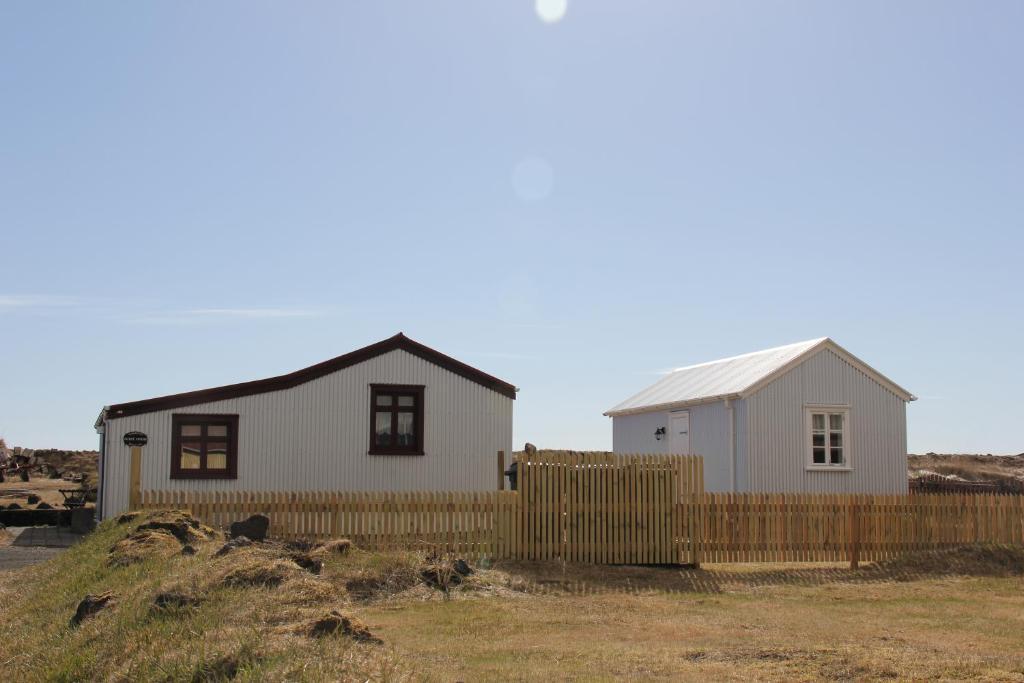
844, 410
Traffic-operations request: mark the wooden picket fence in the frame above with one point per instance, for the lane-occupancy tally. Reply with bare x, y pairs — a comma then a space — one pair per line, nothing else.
766, 527
473, 524
607, 509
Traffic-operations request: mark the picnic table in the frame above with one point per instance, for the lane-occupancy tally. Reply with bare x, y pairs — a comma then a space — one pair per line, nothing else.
75, 498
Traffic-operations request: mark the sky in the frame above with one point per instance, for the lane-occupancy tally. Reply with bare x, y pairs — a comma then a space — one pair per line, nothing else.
573, 197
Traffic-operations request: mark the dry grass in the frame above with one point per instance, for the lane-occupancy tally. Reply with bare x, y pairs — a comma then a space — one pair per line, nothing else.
777, 623
948, 615
972, 468
142, 546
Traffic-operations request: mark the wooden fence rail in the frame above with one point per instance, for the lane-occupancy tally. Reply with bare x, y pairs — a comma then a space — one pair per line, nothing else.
605, 509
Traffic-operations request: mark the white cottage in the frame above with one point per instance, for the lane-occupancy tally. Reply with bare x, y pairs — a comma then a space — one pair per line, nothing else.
395, 415
807, 417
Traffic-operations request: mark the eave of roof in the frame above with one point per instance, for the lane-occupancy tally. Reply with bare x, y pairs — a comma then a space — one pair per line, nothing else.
399, 342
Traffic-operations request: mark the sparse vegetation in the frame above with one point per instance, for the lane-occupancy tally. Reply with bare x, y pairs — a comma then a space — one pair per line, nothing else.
999, 473
255, 614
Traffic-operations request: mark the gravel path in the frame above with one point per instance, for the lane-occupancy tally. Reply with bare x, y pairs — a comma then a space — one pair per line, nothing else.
15, 557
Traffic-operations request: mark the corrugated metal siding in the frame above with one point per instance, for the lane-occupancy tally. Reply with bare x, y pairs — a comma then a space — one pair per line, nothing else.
878, 431
315, 436
742, 446
635, 433
709, 437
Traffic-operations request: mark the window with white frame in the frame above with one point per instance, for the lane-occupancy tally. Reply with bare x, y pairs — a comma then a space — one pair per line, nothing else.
828, 443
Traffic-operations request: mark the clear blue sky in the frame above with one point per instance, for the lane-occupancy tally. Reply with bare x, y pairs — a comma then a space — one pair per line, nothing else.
196, 193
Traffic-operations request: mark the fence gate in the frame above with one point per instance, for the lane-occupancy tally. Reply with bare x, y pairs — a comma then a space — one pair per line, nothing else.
610, 509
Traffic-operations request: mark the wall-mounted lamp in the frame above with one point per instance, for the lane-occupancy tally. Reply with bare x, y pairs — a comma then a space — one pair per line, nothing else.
659, 432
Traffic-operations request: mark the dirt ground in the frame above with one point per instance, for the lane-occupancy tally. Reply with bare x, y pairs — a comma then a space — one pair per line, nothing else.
14, 490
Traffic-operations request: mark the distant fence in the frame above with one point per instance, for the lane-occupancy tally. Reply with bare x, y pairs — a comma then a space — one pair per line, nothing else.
607, 509
936, 483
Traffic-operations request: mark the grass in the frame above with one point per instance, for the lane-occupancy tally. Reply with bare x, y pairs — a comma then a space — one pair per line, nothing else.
947, 615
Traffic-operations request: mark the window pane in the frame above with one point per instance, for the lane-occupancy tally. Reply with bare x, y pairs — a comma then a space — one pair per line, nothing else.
835, 439
383, 400
191, 430
382, 429
817, 421
837, 456
819, 456
406, 433
190, 456
818, 440
220, 431
216, 456
406, 401
835, 421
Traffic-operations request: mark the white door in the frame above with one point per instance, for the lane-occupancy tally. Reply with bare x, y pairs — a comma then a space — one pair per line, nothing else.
679, 433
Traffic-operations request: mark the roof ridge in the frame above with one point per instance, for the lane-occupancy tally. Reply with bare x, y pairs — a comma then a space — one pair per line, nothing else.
309, 373
809, 342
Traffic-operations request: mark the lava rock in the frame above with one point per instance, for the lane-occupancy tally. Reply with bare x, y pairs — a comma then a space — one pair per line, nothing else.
307, 562
233, 544
255, 528
32, 499
90, 605
336, 622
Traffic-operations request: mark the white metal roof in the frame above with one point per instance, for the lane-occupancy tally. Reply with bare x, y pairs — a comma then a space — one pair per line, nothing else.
736, 377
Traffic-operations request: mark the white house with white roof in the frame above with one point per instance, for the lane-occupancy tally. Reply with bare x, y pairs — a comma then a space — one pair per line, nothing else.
806, 417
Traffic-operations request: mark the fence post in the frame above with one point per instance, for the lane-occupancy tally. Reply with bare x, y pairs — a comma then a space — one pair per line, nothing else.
501, 470
854, 514
135, 481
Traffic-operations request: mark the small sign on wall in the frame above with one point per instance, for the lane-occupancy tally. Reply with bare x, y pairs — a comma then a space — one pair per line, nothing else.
135, 439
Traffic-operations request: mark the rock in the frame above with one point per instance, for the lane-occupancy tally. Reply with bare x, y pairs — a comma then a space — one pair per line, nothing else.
13, 506
307, 562
530, 448
188, 549
175, 599
337, 546
32, 499
336, 622
23, 473
128, 517
462, 567
233, 544
54, 474
90, 605
255, 528
44, 506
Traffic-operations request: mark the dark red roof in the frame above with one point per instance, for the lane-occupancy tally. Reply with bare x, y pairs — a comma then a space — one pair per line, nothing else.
262, 386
